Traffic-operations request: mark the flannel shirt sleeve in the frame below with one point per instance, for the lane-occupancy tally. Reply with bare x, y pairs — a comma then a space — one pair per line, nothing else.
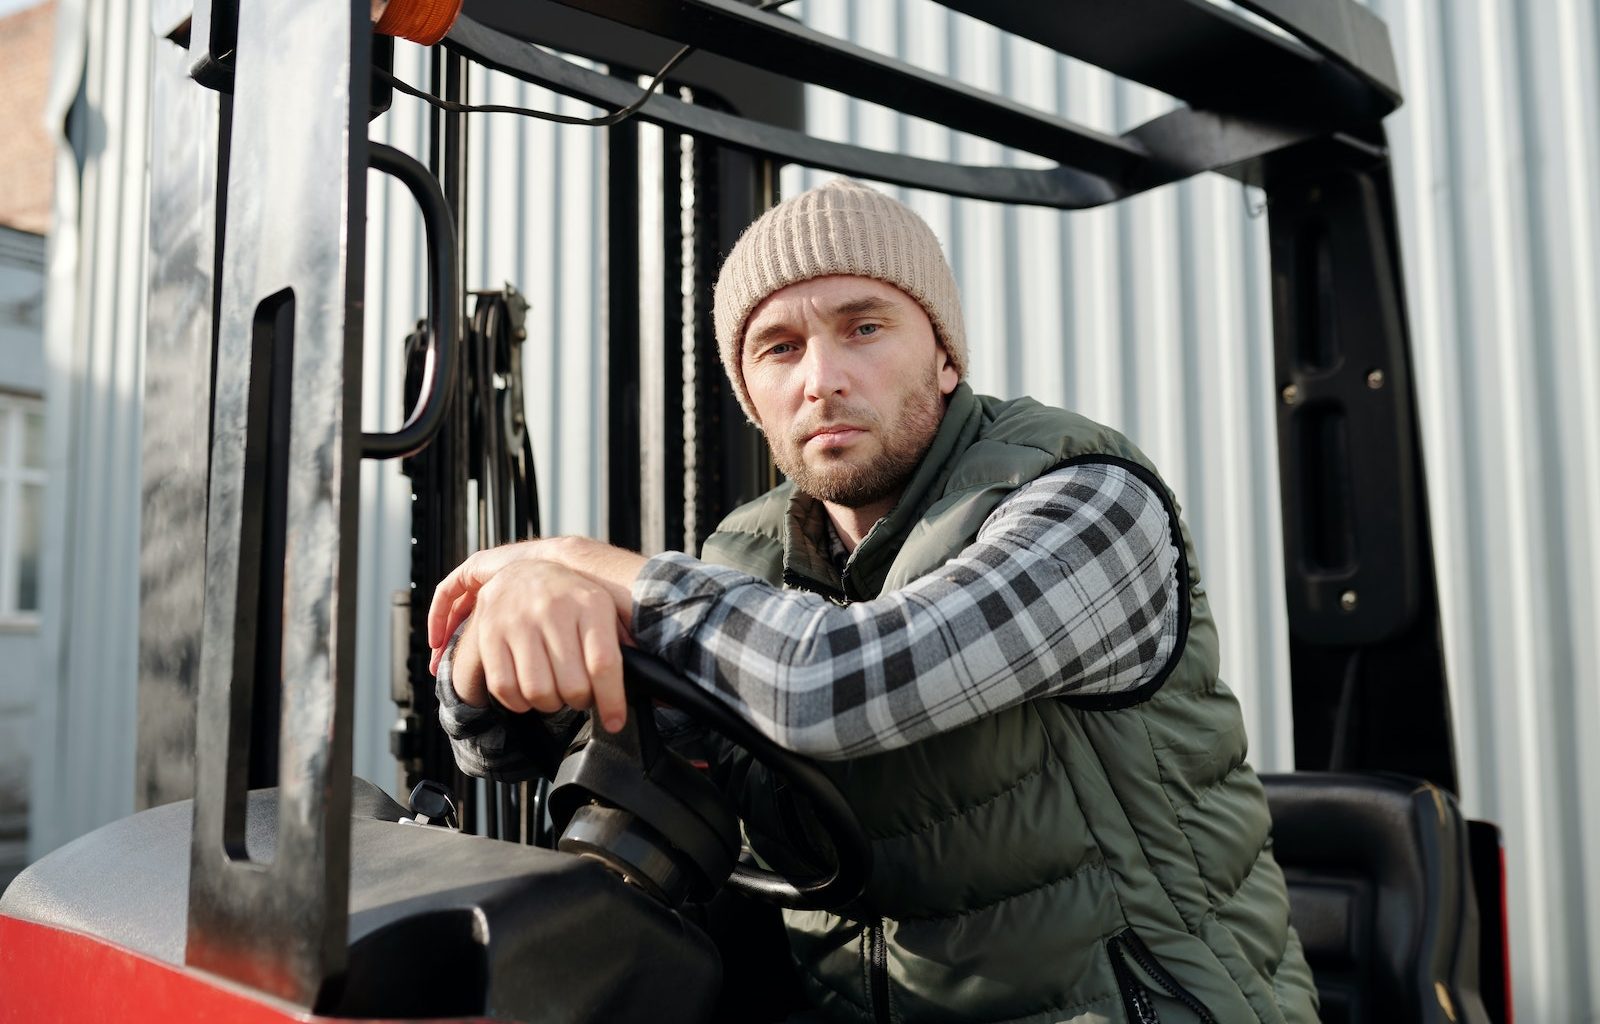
1069, 588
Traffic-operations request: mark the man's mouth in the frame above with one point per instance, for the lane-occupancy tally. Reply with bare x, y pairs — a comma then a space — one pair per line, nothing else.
834, 434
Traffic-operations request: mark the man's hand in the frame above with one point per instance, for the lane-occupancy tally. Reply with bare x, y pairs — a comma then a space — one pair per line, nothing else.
456, 594
543, 637
548, 618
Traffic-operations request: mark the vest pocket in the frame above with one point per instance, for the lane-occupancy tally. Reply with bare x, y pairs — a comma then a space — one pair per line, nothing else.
1140, 1001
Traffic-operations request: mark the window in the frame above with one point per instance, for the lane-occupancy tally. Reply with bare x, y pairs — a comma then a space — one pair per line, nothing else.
21, 508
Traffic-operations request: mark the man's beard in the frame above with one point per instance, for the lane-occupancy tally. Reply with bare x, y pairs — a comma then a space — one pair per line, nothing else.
832, 477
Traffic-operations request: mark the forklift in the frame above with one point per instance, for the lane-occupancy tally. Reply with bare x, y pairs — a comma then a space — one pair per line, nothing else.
263, 882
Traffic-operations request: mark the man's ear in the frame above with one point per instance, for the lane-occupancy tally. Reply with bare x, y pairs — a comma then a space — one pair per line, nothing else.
948, 377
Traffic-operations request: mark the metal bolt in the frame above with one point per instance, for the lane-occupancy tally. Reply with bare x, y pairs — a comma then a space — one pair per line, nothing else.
1291, 394
1375, 379
1347, 601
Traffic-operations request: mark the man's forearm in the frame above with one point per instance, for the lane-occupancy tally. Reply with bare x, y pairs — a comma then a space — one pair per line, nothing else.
1071, 587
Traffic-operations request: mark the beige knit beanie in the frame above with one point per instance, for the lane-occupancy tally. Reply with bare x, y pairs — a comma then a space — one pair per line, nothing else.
840, 227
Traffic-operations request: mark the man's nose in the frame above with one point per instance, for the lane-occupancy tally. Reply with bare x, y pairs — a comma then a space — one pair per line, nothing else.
825, 370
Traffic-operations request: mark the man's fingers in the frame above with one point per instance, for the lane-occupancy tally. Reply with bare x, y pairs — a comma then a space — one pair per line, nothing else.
546, 636
466, 671
464, 581
455, 594
567, 663
535, 683
444, 599
500, 674
603, 661
459, 610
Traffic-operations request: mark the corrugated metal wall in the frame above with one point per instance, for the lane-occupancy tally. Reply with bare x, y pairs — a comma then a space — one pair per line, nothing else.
94, 324
1496, 154
1152, 316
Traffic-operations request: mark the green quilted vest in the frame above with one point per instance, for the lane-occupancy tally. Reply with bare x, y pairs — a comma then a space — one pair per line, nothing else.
1070, 859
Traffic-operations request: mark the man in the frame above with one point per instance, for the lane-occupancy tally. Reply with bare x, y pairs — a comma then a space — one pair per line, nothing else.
985, 617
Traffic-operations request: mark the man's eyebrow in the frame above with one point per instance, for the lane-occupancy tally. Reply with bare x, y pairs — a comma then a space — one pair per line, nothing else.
867, 305
766, 334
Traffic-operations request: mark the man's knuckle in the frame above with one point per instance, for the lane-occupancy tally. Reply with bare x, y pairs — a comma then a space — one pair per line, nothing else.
546, 699
498, 684
579, 697
537, 686
570, 683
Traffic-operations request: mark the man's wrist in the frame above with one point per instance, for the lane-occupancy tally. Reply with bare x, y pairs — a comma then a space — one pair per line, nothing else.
574, 552
613, 567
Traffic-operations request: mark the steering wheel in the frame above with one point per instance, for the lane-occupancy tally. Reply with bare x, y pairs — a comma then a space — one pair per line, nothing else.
628, 800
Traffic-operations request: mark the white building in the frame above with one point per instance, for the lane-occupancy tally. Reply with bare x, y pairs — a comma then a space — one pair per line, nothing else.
22, 481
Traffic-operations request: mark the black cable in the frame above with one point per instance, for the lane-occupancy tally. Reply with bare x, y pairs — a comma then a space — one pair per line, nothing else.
602, 121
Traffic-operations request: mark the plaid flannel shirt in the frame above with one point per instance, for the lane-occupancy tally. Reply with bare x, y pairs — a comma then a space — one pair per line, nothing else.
1069, 588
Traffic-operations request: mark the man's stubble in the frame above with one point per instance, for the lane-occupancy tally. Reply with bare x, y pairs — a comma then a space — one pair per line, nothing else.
832, 476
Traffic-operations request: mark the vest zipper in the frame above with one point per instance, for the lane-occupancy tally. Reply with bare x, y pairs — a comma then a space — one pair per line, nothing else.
878, 972
1135, 996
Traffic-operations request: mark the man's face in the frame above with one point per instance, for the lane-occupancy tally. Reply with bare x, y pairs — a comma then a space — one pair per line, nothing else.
848, 382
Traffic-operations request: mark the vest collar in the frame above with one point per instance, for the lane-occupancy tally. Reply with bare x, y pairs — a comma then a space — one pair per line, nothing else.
805, 539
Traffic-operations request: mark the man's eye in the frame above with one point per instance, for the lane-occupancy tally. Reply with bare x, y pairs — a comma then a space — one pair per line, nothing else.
868, 329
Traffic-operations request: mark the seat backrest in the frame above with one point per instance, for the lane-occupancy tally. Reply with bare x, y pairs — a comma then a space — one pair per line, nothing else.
1380, 890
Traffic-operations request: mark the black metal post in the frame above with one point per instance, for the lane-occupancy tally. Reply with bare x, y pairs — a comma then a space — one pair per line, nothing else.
746, 186
672, 337
1366, 654
624, 453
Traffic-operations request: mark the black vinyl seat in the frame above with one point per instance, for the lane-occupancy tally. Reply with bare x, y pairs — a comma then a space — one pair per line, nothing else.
1380, 890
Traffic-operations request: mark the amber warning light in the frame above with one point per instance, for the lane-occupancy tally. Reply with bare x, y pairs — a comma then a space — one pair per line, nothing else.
420, 21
